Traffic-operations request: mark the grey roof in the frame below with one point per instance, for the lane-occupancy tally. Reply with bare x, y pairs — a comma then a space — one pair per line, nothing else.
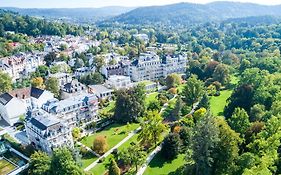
36, 93
43, 122
100, 89
5, 98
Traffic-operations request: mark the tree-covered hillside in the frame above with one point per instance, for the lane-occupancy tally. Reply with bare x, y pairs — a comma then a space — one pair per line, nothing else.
188, 13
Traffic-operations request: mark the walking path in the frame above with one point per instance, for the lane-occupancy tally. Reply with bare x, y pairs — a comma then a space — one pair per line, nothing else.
158, 148
150, 157
88, 149
112, 149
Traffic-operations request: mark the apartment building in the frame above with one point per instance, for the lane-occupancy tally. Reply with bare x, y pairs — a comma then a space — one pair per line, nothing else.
46, 132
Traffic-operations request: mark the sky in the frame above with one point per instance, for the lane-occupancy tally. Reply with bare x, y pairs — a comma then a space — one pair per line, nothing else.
103, 3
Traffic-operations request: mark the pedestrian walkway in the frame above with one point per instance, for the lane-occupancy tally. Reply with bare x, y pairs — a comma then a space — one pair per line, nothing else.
112, 149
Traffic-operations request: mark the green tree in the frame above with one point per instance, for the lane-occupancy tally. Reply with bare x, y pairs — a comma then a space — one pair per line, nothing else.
135, 156
193, 90
92, 79
222, 74
63, 163
204, 102
39, 164
204, 142
239, 121
52, 85
152, 128
227, 150
5, 82
173, 80
130, 104
113, 168
50, 58
171, 146
154, 105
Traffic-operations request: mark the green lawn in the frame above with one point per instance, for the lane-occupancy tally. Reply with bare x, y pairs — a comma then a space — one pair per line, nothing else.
86, 161
100, 167
150, 97
6, 167
218, 103
159, 166
109, 108
114, 134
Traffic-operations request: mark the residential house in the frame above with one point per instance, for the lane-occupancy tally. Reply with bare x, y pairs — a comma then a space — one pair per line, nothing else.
73, 88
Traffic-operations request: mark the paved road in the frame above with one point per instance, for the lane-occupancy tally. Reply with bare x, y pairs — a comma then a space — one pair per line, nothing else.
112, 149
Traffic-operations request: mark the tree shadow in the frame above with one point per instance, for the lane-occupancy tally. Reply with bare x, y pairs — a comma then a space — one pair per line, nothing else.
158, 161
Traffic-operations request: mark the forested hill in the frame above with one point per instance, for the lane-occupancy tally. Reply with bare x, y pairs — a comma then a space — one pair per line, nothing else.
189, 13
76, 14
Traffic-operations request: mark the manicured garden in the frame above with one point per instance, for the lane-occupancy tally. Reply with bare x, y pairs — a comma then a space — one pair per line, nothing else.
113, 133
6, 167
160, 165
100, 167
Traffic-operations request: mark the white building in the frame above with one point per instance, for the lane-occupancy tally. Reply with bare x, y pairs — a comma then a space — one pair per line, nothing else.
150, 67
74, 110
118, 82
11, 108
47, 132
147, 67
16, 103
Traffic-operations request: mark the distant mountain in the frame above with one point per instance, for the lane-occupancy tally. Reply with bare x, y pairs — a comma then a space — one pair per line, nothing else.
189, 13
76, 14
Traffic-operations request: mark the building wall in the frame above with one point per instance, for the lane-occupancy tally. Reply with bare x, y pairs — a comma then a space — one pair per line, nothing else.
12, 111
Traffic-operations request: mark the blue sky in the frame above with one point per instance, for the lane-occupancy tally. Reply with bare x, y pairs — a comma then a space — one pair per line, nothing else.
102, 3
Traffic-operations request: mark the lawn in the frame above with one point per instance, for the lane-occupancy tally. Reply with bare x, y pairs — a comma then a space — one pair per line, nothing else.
109, 108
100, 167
86, 161
150, 97
6, 167
218, 103
159, 166
114, 134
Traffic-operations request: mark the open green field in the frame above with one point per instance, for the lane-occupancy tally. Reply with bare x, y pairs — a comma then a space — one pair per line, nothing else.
218, 103
114, 134
159, 166
6, 167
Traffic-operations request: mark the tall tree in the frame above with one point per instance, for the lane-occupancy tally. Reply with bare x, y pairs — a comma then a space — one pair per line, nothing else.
222, 74
193, 90
130, 104
152, 128
239, 121
204, 141
63, 163
52, 85
113, 168
171, 146
39, 164
5, 82
173, 80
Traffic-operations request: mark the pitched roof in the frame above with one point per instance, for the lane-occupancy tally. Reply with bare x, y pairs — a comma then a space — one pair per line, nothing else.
5, 98
36, 93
